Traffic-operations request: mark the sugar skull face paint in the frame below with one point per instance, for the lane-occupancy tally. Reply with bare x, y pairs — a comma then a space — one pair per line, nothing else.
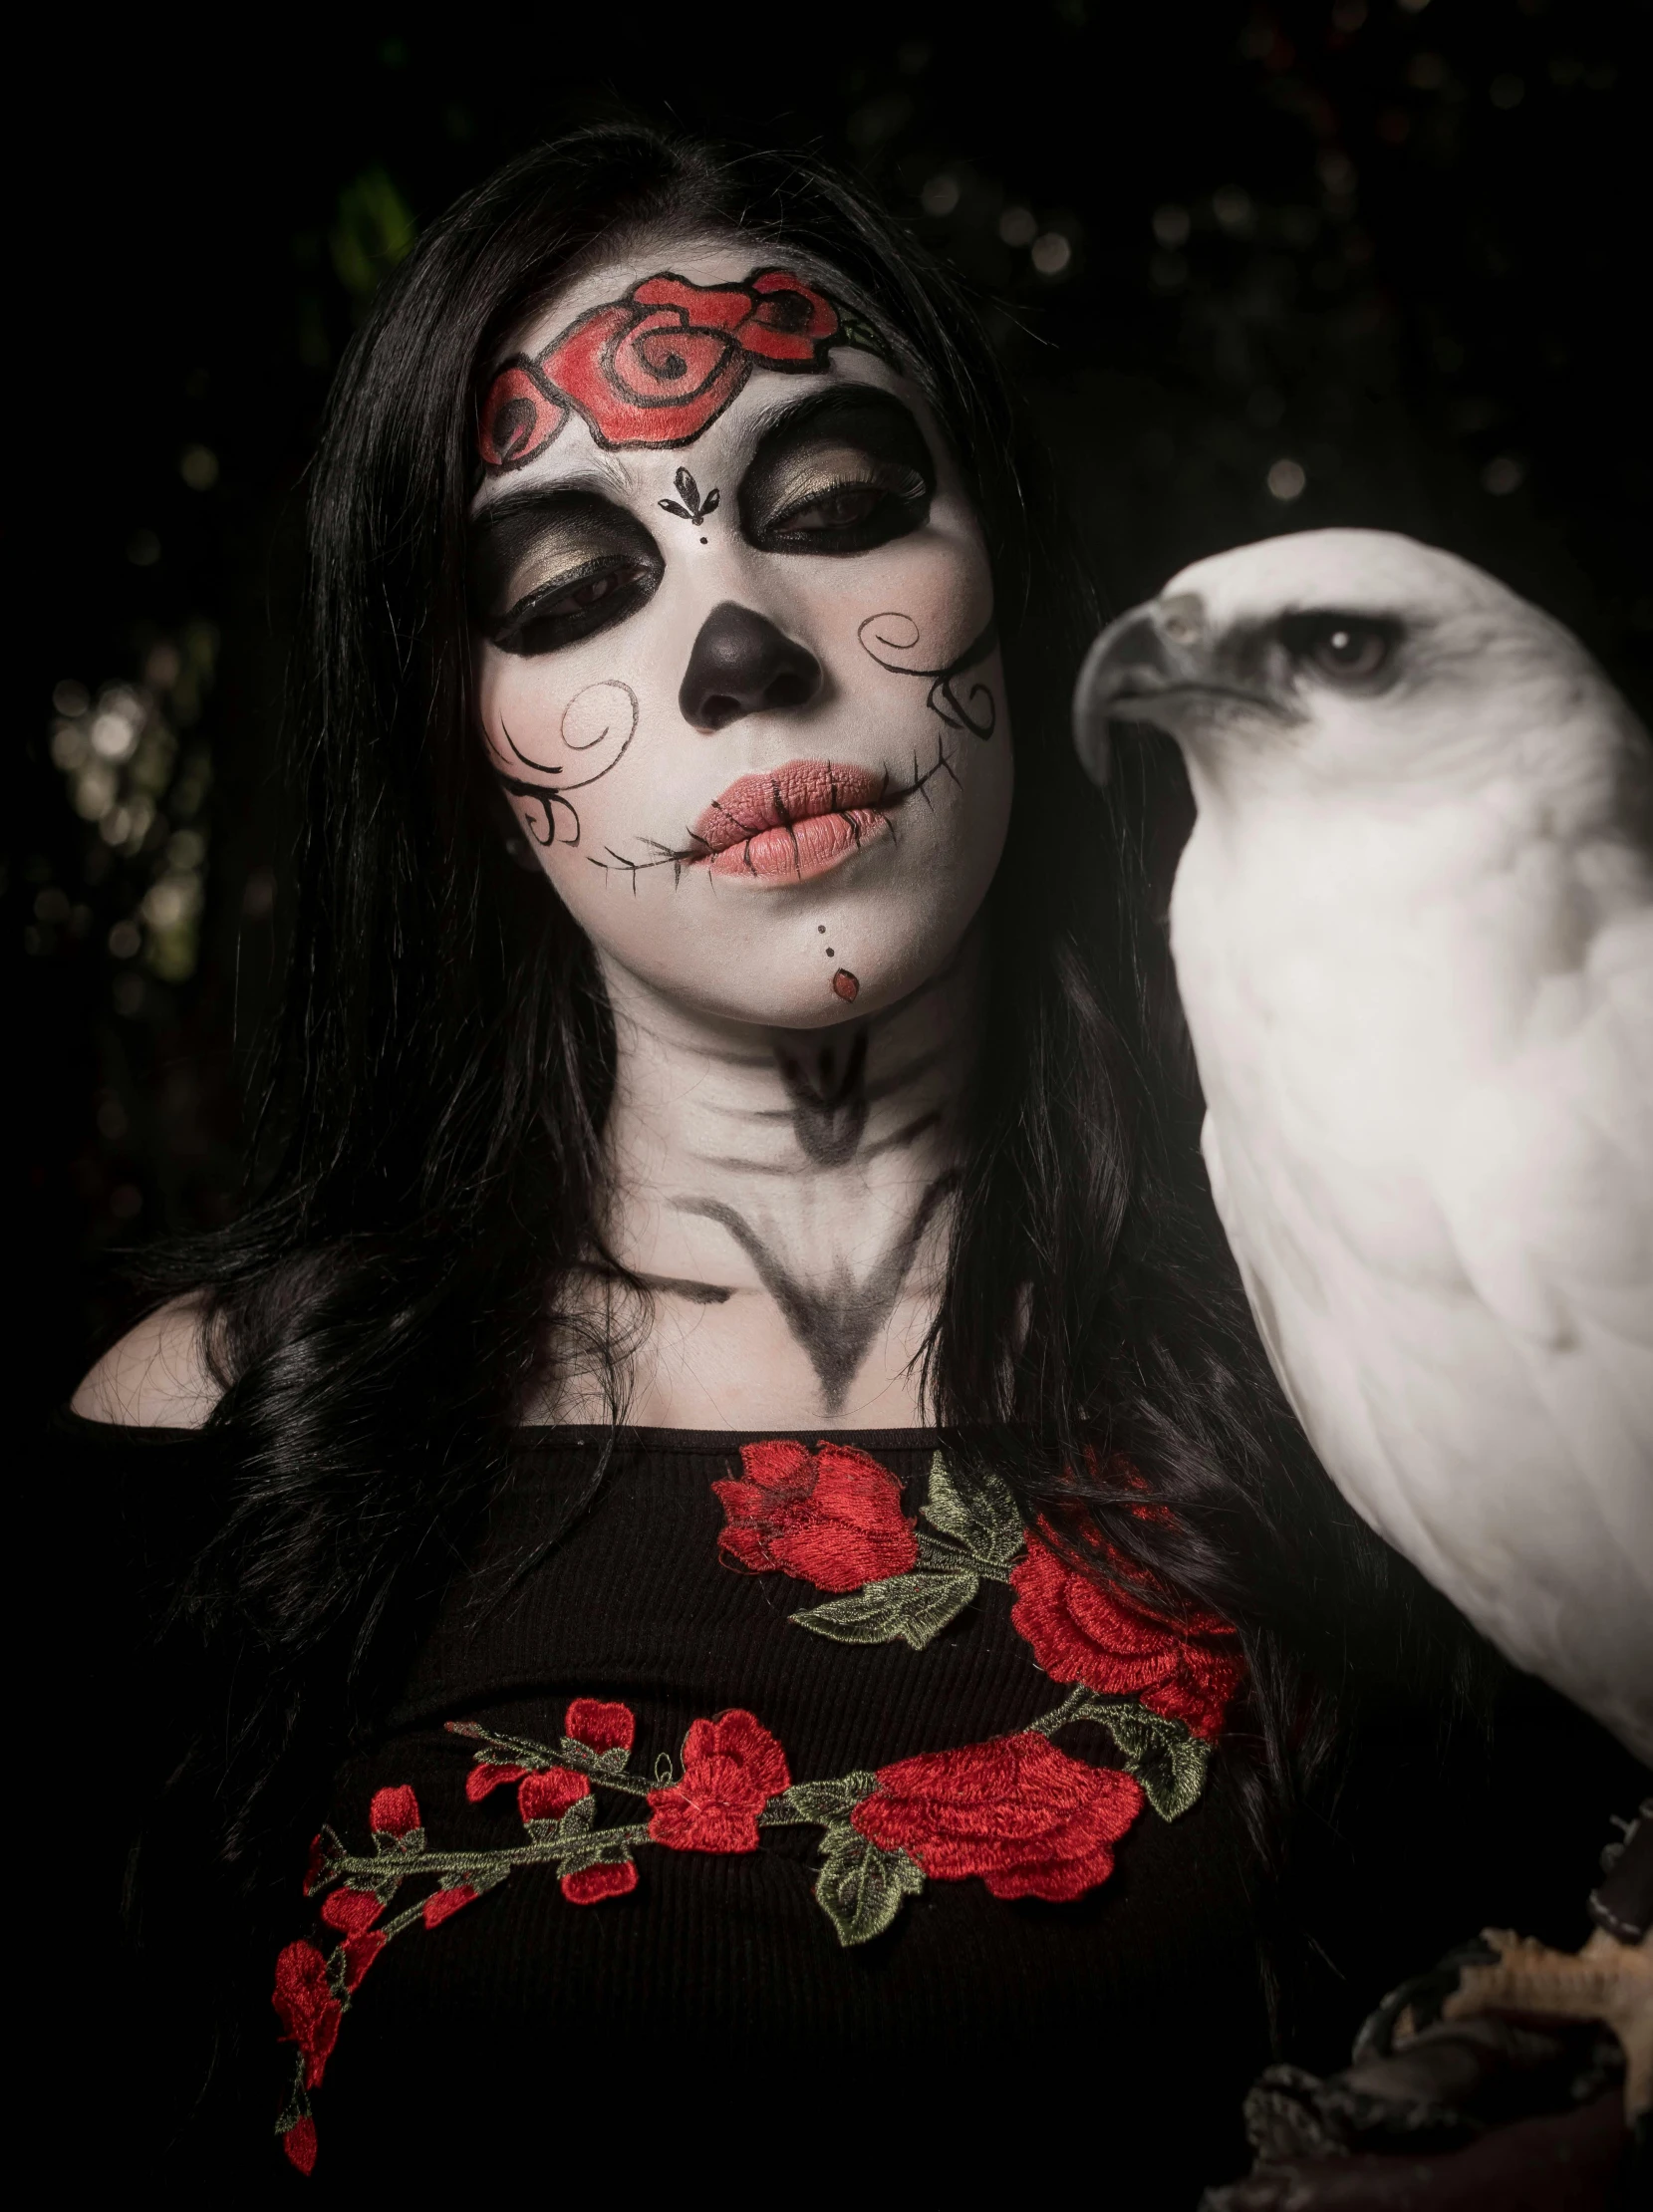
748, 706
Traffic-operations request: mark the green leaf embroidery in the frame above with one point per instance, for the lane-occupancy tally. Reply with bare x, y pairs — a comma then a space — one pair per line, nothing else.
331, 1854
914, 1607
820, 1802
597, 1854
408, 1844
861, 1887
981, 1515
1168, 1761
504, 1750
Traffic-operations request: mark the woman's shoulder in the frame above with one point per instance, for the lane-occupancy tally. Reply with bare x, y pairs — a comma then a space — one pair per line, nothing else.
157, 1376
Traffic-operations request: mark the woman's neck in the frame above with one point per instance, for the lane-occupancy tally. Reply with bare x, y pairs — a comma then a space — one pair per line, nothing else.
786, 1196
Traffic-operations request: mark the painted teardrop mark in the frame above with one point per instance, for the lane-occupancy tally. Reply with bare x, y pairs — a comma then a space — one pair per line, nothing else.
846, 985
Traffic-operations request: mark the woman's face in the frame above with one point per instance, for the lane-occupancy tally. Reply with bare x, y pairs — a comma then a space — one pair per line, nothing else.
737, 668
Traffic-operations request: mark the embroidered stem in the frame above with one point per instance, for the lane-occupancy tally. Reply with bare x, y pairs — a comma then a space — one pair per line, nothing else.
583, 1840
605, 1767
1166, 1757
1074, 1706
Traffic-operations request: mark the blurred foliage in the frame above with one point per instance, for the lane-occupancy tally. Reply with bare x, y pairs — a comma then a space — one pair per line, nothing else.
128, 775
375, 231
1255, 268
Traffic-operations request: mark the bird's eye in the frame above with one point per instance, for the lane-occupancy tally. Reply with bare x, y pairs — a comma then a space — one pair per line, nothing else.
1351, 650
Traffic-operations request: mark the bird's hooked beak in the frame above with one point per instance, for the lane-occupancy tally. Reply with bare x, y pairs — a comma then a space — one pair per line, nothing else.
1142, 668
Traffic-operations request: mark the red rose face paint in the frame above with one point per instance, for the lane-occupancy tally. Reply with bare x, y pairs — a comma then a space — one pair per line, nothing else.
656, 367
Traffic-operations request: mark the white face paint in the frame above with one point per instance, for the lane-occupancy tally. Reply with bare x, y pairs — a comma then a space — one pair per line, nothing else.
742, 687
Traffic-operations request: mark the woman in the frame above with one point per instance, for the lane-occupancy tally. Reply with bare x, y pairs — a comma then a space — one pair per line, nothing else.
733, 1495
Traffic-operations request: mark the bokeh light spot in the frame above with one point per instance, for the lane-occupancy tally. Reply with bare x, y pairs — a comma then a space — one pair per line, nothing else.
1286, 479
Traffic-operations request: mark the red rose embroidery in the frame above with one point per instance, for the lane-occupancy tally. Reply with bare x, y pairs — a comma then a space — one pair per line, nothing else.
488, 1776
1030, 1821
310, 2013
446, 1903
592, 1883
394, 1811
601, 1726
731, 1766
1082, 1631
547, 1795
360, 1953
350, 1910
317, 1865
299, 2143
520, 416
831, 1517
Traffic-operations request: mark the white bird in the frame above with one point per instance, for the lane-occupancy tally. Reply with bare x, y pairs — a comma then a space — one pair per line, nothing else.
1413, 932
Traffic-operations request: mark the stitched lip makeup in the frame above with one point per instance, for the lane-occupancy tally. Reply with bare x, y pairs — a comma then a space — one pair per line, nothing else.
791, 823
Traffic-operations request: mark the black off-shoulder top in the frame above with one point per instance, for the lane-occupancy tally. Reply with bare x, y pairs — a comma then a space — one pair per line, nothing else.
788, 1786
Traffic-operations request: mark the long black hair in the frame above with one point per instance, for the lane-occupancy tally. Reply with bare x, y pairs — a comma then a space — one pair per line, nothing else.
445, 1053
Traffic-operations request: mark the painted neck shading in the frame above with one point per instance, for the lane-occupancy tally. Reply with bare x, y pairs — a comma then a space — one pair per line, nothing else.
654, 368
808, 1168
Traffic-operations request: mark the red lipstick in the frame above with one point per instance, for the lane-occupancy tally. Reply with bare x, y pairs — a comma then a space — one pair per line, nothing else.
790, 823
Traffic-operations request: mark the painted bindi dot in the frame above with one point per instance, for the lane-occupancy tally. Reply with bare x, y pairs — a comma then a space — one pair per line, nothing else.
702, 541
846, 985
830, 953
820, 929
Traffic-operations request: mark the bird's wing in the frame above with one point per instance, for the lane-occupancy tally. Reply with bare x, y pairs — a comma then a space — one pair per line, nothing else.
1441, 1425
1543, 1173
1374, 1369
1544, 1178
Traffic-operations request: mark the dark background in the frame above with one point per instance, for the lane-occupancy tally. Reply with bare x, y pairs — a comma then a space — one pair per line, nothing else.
1259, 268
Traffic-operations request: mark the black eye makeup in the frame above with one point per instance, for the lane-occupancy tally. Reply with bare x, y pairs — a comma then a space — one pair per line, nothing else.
843, 474
548, 568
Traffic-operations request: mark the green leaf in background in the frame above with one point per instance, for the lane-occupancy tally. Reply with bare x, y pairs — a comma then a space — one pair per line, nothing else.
861, 1887
912, 1607
981, 1513
375, 231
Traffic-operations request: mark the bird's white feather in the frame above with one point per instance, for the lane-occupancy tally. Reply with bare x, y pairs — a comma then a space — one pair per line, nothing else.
1420, 986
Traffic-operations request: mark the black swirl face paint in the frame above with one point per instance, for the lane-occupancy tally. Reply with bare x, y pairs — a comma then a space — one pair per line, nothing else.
896, 632
601, 715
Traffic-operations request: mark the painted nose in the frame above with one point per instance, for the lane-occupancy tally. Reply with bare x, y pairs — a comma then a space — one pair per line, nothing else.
741, 665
